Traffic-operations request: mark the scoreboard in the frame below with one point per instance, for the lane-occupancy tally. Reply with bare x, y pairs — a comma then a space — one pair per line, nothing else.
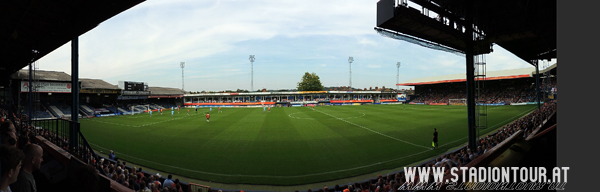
134, 88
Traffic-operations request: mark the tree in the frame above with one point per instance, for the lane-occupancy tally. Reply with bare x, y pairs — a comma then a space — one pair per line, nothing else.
310, 82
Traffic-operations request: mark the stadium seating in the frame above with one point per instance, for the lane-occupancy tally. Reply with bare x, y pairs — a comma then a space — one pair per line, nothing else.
112, 109
121, 110
506, 95
60, 109
42, 114
89, 110
39, 114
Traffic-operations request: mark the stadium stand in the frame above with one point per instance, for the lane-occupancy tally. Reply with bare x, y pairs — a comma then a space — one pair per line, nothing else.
507, 92
87, 109
495, 94
40, 113
492, 145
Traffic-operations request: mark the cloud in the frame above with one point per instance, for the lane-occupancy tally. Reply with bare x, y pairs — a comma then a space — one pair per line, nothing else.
501, 59
366, 41
214, 38
201, 76
231, 70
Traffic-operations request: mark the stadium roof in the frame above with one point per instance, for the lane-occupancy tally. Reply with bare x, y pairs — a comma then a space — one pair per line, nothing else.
525, 28
96, 84
43, 75
164, 91
32, 29
490, 75
88, 83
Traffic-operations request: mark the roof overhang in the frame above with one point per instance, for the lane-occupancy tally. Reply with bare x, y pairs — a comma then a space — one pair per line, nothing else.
463, 80
32, 29
490, 76
525, 28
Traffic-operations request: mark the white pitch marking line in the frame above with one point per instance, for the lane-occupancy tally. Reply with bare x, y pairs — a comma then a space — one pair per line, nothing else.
374, 131
143, 124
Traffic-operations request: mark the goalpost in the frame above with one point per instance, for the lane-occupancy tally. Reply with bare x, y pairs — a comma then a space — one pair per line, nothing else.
462, 101
135, 110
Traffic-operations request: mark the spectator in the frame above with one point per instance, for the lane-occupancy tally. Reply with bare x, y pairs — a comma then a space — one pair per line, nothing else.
337, 188
8, 134
122, 178
139, 178
154, 187
32, 161
144, 187
178, 187
133, 185
140, 171
10, 160
168, 182
106, 173
111, 155
157, 181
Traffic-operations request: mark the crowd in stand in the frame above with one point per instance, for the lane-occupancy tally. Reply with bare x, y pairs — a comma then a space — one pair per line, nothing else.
492, 95
432, 97
18, 139
19, 154
23, 142
135, 179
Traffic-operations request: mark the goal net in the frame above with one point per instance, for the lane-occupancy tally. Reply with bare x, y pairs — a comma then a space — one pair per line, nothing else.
139, 109
457, 102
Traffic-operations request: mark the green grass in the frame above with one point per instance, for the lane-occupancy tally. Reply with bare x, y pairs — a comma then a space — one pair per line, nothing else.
289, 145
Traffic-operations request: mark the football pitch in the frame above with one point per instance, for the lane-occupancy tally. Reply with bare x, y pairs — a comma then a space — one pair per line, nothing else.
289, 145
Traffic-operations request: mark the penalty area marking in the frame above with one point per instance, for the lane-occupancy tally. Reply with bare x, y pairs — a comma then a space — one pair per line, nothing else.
374, 131
520, 114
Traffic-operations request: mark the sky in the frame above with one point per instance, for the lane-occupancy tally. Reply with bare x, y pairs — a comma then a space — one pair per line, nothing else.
148, 42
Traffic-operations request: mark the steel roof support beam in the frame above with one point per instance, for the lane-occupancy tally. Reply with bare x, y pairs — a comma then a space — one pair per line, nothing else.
470, 78
74, 131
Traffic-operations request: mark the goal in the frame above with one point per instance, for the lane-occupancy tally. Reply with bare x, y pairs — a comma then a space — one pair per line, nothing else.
457, 101
139, 109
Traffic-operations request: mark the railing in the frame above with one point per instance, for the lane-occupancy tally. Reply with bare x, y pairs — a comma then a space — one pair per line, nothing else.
58, 131
193, 187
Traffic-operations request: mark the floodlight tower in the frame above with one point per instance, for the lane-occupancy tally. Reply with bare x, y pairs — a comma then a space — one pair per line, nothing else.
182, 64
350, 60
251, 73
398, 76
